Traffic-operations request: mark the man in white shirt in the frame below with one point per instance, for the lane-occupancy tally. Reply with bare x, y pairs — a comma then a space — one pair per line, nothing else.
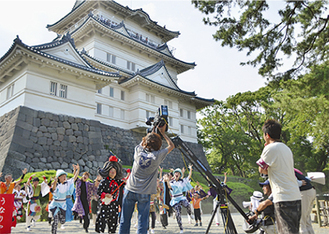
277, 162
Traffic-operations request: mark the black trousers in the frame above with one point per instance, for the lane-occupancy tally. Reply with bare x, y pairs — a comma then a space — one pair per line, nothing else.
164, 219
86, 220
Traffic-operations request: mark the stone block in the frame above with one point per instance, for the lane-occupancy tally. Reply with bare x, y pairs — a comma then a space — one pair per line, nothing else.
53, 124
91, 158
44, 160
74, 126
56, 165
17, 156
66, 125
43, 129
39, 134
72, 139
69, 132
77, 133
65, 165
81, 162
61, 130
37, 155
42, 165
64, 144
24, 125
89, 164
54, 136
36, 122
52, 130
42, 141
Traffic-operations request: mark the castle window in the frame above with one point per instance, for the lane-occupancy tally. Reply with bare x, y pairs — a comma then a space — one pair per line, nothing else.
171, 121
131, 66
111, 92
10, 91
53, 88
189, 130
188, 114
99, 108
99, 91
63, 91
110, 111
147, 97
182, 129
122, 114
111, 58
122, 95
181, 112
168, 103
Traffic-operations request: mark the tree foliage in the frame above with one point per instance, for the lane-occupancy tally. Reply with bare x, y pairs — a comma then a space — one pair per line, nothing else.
299, 29
231, 132
306, 105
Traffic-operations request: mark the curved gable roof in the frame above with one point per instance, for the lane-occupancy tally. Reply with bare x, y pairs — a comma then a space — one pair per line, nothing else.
136, 15
82, 63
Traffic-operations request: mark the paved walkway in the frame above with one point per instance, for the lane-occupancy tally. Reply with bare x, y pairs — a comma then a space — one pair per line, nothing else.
75, 227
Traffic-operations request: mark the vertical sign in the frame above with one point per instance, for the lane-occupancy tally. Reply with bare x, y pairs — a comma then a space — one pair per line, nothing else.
6, 212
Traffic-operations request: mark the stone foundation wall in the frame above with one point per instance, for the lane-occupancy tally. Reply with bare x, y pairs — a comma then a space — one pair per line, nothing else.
39, 141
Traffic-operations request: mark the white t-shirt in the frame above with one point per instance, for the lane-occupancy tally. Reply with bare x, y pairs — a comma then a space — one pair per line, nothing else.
281, 174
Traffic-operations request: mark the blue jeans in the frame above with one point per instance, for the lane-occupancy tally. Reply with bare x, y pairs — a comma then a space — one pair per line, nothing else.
128, 205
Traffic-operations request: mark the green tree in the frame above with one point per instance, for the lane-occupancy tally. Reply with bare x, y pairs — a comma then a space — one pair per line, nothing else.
231, 132
299, 30
306, 105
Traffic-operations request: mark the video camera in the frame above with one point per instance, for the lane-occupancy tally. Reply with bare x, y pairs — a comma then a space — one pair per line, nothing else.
160, 119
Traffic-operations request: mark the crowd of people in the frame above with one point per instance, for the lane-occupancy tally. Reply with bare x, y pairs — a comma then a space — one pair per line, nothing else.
116, 196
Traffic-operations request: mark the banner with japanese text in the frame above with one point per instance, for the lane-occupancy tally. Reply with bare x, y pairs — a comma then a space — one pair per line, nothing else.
6, 212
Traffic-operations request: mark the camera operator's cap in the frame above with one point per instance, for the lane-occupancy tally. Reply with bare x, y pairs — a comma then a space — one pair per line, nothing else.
267, 182
60, 172
257, 195
178, 170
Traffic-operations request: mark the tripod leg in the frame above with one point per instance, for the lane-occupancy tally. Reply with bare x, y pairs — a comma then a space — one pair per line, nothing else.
212, 217
227, 221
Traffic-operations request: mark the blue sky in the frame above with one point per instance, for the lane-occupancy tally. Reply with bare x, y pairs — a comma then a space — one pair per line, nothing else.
217, 74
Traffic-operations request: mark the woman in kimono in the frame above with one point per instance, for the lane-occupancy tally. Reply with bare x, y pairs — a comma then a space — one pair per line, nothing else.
109, 194
178, 187
61, 188
34, 207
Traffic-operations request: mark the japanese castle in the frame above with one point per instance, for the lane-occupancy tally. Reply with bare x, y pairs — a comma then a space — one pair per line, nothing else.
108, 63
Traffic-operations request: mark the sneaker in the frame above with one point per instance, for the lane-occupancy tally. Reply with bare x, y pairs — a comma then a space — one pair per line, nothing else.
200, 224
62, 226
181, 231
28, 229
152, 230
217, 224
195, 224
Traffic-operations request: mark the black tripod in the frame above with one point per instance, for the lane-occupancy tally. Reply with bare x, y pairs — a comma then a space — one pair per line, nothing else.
221, 192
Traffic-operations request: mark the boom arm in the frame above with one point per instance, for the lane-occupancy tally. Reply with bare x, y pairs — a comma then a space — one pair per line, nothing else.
182, 146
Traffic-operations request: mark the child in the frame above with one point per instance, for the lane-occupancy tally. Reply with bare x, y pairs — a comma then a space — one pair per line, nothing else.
178, 200
109, 194
196, 199
61, 187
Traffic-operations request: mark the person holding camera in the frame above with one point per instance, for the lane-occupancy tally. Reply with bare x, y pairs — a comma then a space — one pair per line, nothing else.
143, 180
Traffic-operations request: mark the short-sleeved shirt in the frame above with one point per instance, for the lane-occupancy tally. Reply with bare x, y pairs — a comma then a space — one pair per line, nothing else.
196, 202
281, 174
143, 178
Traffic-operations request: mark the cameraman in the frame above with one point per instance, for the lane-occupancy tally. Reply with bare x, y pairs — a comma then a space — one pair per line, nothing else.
143, 179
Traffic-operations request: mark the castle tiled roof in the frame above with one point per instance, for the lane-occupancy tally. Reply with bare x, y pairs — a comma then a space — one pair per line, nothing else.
37, 49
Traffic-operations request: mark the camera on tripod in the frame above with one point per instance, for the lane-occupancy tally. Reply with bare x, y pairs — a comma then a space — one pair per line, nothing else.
159, 120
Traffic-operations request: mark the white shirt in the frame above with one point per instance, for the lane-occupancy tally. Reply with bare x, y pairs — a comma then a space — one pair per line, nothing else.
281, 174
